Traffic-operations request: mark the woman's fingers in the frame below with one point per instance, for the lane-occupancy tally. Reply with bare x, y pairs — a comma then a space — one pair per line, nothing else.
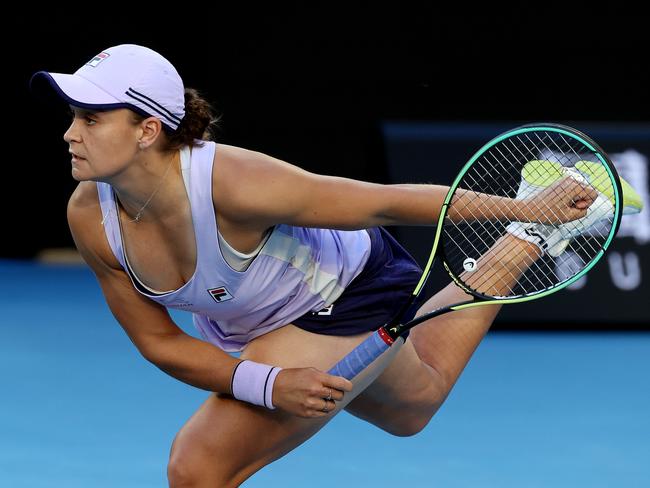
307, 392
336, 382
332, 393
565, 200
584, 196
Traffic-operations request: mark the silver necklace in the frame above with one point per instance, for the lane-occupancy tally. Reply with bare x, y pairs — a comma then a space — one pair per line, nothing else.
139, 214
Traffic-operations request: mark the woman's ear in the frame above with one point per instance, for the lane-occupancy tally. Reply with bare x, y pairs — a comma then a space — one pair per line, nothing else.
151, 128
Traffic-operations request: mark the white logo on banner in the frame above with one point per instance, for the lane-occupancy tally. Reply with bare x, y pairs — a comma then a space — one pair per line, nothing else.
632, 166
625, 270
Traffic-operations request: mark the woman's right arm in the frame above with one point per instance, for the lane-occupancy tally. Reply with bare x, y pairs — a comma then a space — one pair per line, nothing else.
147, 323
193, 361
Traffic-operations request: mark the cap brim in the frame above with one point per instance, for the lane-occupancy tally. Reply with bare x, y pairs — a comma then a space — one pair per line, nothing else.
79, 92
73, 89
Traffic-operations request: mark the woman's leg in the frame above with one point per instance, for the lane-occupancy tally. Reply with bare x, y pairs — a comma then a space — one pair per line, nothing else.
409, 392
226, 440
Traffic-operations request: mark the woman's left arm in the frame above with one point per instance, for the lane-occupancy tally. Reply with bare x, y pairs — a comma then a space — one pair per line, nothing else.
269, 191
251, 187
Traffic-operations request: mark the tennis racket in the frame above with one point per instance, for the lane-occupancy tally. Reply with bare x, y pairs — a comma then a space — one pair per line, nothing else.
519, 165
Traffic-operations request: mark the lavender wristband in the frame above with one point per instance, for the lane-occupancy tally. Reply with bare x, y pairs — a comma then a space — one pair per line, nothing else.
253, 383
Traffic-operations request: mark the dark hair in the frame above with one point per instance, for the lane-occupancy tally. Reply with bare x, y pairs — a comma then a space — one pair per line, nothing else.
198, 122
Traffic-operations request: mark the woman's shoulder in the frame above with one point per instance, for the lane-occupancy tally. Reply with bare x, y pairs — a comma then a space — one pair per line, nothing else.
226, 152
84, 199
84, 219
84, 209
237, 163
236, 169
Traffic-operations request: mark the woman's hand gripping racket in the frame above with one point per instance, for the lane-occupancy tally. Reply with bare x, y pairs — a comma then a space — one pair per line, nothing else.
546, 184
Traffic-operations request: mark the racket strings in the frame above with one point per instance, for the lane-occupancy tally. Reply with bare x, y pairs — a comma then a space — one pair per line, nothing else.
499, 172
600, 182
516, 276
479, 244
484, 282
546, 210
567, 161
509, 190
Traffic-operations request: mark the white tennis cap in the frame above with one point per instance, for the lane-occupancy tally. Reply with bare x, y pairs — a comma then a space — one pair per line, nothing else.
124, 76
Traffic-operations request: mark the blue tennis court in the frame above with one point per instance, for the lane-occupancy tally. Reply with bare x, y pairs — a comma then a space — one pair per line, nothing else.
81, 408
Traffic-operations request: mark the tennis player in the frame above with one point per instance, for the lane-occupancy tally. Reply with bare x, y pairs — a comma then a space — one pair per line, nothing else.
291, 268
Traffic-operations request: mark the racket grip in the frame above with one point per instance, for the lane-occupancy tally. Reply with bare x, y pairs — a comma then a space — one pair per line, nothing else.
360, 357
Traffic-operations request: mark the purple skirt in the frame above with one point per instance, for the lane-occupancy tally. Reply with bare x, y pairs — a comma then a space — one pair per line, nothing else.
375, 297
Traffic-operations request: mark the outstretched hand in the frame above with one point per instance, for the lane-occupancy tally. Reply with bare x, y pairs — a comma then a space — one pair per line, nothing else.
307, 392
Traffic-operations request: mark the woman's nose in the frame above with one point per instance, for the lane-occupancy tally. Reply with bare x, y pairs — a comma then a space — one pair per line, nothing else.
72, 134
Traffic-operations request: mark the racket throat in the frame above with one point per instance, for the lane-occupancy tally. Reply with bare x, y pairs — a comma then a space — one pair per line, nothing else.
390, 332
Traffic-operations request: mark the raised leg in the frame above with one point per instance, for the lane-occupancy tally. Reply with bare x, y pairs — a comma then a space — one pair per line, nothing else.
409, 392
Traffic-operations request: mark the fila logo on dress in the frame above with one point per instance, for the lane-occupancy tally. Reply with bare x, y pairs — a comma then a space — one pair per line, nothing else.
220, 294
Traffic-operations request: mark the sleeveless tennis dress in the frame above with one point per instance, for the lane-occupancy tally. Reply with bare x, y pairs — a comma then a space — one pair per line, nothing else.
305, 276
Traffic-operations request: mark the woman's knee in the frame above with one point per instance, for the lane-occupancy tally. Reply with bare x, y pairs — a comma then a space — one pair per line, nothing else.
192, 466
409, 425
181, 473
183, 468
404, 412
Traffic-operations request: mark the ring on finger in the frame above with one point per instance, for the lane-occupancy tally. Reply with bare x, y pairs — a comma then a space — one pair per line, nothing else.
329, 397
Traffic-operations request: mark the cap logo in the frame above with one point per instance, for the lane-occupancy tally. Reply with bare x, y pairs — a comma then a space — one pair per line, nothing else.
97, 59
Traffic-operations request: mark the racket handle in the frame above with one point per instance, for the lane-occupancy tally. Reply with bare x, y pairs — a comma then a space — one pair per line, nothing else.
360, 357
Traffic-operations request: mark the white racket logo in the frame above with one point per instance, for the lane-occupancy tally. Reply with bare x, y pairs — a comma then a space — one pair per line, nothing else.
470, 265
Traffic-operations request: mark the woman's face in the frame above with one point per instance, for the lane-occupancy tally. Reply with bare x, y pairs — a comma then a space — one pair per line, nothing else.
102, 144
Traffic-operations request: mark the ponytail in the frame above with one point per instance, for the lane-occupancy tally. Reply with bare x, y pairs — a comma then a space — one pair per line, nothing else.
198, 122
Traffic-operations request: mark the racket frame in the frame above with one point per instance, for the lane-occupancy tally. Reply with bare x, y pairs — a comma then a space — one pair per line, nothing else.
394, 329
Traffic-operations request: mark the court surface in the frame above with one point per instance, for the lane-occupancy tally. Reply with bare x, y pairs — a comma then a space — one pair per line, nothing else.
79, 407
